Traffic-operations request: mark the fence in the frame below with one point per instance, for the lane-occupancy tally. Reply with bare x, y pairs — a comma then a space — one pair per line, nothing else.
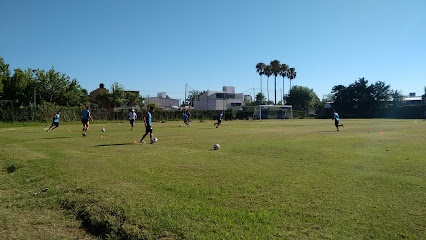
45, 113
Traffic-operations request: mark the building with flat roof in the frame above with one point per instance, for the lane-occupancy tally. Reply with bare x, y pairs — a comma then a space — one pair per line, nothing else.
221, 100
163, 101
412, 99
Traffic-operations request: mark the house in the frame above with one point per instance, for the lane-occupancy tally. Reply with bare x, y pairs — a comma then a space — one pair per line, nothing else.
220, 100
98, 91
102, 90
412, 99
163, 101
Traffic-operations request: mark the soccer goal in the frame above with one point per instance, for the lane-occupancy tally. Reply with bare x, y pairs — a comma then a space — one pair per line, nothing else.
273, 112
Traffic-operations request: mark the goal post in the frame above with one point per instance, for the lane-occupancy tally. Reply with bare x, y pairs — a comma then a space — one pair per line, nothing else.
274, 112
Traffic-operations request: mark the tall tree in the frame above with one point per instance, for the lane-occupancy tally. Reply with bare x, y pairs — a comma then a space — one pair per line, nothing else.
58, 88
260, 69
284, 74
276, 68
303, 98
36, 86
396, 97
193, 95
291, 74
268, 73
362, 100
19, 87
133, 99
260, 98
105, 100
117, 94
4, 74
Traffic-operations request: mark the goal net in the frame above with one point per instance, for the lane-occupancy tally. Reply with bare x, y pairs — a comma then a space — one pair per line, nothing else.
273, 112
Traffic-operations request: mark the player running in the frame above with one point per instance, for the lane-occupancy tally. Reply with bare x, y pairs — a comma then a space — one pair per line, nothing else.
148, 125
85, 117
219, 120
336, 120
55, 122
185, 118
132, 117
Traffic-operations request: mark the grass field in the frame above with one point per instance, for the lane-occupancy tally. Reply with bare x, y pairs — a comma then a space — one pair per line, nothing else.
293, 179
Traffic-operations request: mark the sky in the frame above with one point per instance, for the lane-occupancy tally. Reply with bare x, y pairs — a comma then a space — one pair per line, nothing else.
194, 45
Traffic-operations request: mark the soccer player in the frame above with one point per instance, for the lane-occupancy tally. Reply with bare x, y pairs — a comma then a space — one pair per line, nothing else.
55, 122
188, 113
219, 120
148, 125
85, 117
132, 117
185, 118
336, 120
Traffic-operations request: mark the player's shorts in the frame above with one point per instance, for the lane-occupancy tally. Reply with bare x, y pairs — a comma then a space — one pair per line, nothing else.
336, 122
132, 121
84, 120
56, 124
148, 129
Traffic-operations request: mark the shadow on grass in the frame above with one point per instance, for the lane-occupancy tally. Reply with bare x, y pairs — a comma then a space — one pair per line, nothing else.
114, 144
54, 137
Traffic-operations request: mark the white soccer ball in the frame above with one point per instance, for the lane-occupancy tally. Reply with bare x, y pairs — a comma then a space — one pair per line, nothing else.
155, 139
216, 146
103, 130
180, 125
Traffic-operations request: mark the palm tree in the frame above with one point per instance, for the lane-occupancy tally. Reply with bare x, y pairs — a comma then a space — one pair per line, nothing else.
268, 73
291, 75
260, 68
275, 67
284, 73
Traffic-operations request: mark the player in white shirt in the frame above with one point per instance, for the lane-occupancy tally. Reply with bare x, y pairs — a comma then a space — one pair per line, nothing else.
132, 117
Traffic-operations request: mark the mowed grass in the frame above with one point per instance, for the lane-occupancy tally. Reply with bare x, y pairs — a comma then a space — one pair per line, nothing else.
292, 179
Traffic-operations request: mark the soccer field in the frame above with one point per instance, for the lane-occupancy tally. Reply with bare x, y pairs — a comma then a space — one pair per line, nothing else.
275, 179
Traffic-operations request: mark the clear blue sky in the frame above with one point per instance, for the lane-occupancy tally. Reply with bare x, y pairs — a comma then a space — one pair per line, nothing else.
156, 46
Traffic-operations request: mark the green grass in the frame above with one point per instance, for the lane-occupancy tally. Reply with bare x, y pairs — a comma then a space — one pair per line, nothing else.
298, 179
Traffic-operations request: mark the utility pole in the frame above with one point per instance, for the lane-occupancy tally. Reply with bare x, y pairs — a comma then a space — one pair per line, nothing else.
35, 97
186, 86
254, 95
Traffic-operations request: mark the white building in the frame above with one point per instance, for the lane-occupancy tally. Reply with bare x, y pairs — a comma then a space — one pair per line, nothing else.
163, 101
221, 100
412, 99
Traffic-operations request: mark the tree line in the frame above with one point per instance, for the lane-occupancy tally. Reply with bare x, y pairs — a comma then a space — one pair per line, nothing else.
363, 100
358, 99
275, 68
32, 87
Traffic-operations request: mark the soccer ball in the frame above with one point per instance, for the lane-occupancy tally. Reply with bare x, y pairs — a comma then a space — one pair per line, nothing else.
180, 125
155, 139
216, 146
103, 130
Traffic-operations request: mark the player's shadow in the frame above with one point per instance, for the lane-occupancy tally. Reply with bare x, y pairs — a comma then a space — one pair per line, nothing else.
53, 137
114, 144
